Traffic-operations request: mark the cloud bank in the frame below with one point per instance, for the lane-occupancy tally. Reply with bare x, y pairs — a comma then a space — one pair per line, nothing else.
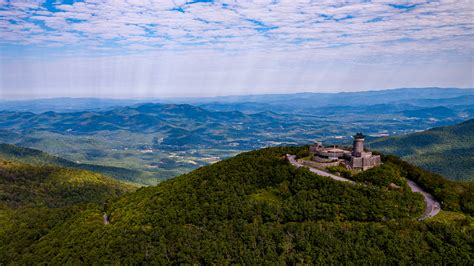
207, 47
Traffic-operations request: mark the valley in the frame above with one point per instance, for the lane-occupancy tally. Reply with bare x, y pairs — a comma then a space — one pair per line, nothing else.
160, 140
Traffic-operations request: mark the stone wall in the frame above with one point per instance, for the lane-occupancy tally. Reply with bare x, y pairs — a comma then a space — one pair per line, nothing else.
365, 163
318, 164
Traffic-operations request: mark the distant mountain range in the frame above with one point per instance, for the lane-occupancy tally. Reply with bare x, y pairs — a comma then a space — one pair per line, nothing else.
64, 104
393, 100
448, 150
157, 141
287, 103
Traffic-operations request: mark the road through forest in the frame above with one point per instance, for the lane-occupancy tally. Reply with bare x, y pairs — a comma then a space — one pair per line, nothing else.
432, 205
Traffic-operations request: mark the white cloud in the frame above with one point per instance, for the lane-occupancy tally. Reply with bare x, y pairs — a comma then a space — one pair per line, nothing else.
280, 25
261, 44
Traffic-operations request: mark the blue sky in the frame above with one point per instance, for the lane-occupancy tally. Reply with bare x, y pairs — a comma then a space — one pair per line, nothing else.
158, 48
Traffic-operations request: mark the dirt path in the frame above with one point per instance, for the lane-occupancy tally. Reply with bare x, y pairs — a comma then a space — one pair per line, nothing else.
432, 205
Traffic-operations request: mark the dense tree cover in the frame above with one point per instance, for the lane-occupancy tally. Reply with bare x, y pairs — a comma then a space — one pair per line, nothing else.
15, 153
301, 152
255, 208
340, 170
454, 196
448, 151
384, 175
50, 186
35, 199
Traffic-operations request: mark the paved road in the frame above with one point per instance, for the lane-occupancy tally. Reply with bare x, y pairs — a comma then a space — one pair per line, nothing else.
432, 205
292, 160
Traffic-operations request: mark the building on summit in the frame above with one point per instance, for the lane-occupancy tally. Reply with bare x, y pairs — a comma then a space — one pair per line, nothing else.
357, 159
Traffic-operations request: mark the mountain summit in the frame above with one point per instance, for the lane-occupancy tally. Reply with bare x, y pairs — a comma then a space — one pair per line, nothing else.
256, 208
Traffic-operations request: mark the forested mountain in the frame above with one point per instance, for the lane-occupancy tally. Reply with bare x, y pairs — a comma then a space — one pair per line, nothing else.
36, 199
448, 151
25, 185
153, 141
10, 152
439, 112
256, 208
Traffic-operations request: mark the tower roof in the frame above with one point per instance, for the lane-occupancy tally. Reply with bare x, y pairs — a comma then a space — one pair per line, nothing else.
359, 136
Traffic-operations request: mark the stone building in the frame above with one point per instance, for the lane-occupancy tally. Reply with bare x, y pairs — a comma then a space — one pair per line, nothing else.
357, 159
361, 159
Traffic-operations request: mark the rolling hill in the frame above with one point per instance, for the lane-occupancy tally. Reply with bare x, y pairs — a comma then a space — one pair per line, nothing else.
438, 112
36, 199
159, 141
448, 151
15, 153
256, 208
51, 186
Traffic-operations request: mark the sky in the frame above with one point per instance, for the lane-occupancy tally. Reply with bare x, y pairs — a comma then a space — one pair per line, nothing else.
179, 48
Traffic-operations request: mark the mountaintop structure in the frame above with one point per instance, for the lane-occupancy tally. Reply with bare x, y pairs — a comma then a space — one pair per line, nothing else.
357, 159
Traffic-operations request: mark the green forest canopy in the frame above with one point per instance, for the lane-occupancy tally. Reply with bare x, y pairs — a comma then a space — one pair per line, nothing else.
448, 151
254, 208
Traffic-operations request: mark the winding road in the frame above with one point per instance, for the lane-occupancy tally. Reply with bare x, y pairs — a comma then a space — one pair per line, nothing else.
293, 161
432, 205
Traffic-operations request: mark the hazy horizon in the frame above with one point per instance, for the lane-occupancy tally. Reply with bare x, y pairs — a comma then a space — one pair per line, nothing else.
224, 95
